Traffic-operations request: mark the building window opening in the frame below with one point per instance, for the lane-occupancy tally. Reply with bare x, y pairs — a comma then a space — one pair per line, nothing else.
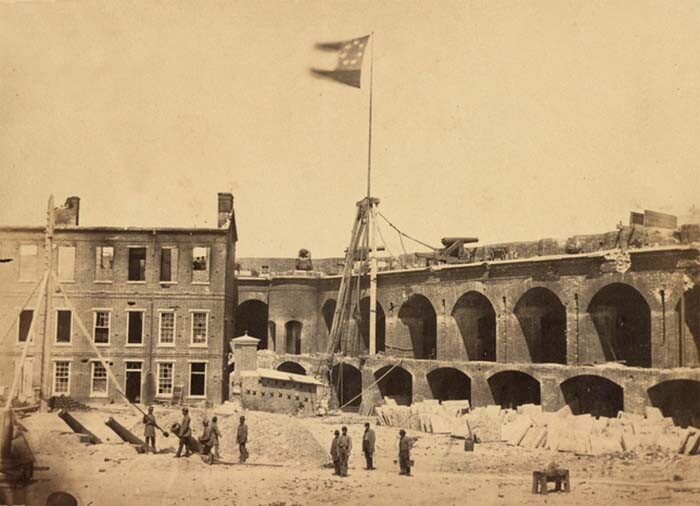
137, 264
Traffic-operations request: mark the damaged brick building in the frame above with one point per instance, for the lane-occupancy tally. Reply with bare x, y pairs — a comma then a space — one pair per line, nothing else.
602, 323
158, 303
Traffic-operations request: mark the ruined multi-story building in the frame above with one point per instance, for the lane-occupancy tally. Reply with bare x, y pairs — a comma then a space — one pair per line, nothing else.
600, 322
157, 302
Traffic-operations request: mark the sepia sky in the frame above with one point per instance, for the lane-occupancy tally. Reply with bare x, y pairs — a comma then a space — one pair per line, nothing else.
504, 120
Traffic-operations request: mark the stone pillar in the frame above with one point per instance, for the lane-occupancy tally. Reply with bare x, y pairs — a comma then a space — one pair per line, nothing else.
421, 387
245, 356
481, 392
551, 396
573, 355
635, 398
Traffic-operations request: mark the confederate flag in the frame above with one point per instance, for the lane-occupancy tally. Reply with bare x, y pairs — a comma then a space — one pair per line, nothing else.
349, 67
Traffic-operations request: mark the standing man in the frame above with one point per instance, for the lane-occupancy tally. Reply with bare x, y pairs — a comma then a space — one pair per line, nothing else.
207, 442
334, 453
215, 435
149, 429
404, 453
184, 434
368, 446
242, 439
344, 448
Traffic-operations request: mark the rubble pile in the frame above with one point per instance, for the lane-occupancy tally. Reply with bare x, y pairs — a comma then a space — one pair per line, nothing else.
426, 416
530, 427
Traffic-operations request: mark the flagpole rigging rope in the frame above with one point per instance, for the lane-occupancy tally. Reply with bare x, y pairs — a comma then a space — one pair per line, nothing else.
369, 145
404, 234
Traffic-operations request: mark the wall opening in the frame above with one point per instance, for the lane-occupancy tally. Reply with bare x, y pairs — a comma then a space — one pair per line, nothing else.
449, 384
398, 384
418, 315
593, 395
292, 367
293, 337
363, 325
510, 389
678, 399
347, 382
476, 320
251, 317
542, 318
328, 311
691, 326
622, 320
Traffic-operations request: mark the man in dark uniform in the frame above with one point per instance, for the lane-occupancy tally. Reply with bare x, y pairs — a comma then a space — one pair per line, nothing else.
184, 434
404, 453
334, 453
149, 430
242, 439
215, 435
344, 448
368, 440
207, 442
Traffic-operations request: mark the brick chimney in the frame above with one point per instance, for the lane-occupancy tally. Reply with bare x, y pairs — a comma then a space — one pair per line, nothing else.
225, 209
68, 215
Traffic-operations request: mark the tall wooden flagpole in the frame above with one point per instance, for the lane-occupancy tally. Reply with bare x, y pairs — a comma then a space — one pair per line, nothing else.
44, 390
371, 224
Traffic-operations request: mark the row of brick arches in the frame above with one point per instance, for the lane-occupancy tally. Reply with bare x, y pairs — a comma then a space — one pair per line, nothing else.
584, 394
619, 313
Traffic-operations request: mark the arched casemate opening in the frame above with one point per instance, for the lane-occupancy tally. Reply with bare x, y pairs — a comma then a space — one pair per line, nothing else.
449, 384
510, 389
347, 383
678, 399
594, 395
251, 317
542, 318
622, 319
398, 384
476, 320
292, 367
688, 313
363, 325
328, 311
418, 316
293, 337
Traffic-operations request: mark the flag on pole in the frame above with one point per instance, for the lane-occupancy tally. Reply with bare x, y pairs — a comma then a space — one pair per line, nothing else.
349, 68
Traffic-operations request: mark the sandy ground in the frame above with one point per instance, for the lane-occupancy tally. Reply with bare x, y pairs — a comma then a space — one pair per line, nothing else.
287, 461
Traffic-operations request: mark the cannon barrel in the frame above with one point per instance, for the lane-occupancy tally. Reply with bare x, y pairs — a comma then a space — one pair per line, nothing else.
78, 427
448, 241
125, 434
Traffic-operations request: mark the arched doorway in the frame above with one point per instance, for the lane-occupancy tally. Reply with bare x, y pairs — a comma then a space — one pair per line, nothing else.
293, 337
542, 318
418, 315
689, 326
398, 384
510, 389
622, 319
347, 383
476, 320
363, 325
292, 367
449, 384
678, 399
251, 317
328, 311
594, 395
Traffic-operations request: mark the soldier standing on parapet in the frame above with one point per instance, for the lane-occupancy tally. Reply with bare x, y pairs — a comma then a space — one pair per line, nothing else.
184, 434
149, 430
404, 453
334, 453
215, 435
242, 439
368, 440
344, 448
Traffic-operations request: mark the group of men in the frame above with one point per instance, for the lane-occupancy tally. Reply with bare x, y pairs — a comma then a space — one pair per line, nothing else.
341, 445
209, 440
